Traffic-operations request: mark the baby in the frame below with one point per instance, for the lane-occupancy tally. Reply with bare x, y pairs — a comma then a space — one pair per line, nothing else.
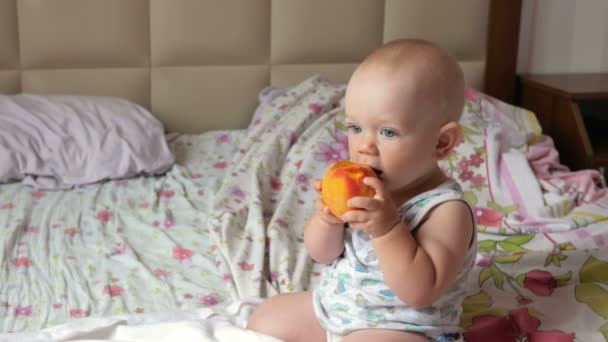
398, 264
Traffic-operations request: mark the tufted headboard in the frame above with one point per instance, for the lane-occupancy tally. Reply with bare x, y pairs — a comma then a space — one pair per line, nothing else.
199, 64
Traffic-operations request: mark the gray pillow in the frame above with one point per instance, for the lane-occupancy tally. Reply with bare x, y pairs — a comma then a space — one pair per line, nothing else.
58, 142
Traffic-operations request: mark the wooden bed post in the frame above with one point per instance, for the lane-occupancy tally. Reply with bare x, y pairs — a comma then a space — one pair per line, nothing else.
501, 49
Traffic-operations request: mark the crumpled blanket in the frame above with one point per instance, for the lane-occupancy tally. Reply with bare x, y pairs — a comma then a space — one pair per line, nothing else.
259, 212
202, 325
581, 187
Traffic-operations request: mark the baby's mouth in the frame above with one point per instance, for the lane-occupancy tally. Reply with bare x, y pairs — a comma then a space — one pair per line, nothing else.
378, 172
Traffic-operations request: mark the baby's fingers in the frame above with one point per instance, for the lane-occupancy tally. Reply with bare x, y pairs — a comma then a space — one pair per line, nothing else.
355, 217
316, 184
326, 214
329, 217
367, 203
377, 184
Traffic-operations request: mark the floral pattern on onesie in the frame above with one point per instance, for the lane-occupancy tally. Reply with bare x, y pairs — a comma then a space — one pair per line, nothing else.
353, 295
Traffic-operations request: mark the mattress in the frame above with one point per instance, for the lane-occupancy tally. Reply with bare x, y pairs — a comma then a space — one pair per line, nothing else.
223, 230
125, 246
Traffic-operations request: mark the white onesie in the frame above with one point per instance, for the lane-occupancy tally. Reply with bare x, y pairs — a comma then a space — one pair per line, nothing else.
352, 293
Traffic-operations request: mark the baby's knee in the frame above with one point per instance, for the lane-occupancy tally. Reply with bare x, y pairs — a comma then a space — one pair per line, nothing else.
260, 320
255, 321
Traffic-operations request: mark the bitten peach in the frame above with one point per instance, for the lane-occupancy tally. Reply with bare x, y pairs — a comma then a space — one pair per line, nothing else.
342, 181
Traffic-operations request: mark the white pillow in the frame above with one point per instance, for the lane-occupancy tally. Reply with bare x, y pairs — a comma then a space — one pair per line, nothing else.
58, 142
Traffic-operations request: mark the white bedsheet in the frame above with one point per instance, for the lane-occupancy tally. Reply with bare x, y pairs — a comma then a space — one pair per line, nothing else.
129, 246
227, 324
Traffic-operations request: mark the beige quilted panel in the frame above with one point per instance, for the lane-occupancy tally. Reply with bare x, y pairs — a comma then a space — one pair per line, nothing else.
9, 82
9, 47
473, 73
320, 31
287, 75
193, 99
199, 64
84, 33
459, 26
129, 83
195, 32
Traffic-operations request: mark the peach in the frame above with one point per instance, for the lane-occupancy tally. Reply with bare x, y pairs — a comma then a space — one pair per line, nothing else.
342, 181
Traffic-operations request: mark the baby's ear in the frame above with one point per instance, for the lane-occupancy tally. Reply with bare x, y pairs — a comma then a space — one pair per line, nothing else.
449, 135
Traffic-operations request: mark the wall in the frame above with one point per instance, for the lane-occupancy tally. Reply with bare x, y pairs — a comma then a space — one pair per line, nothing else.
563, 36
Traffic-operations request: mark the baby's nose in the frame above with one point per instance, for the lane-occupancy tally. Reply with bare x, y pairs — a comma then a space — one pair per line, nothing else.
368, 146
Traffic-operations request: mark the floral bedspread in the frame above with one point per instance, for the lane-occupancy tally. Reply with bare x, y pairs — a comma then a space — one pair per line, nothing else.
227, 224
128, 246
542, 268
542, 231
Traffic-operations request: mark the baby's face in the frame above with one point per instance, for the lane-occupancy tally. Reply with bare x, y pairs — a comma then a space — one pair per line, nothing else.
392, 127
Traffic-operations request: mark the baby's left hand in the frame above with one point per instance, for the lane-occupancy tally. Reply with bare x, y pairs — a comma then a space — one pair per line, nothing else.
377, 215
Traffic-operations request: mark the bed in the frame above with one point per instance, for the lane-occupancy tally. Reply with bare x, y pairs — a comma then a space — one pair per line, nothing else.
250, 94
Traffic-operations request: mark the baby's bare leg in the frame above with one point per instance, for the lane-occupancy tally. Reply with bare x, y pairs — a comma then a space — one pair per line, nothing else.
383, 335
289, 317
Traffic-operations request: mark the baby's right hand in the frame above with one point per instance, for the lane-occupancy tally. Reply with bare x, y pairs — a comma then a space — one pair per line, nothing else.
322, 210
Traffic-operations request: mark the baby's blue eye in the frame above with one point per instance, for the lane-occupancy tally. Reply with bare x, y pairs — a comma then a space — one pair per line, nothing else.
354, 128
389, 133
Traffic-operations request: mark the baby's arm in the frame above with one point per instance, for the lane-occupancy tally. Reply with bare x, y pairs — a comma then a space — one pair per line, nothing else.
420, 268
323, 233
